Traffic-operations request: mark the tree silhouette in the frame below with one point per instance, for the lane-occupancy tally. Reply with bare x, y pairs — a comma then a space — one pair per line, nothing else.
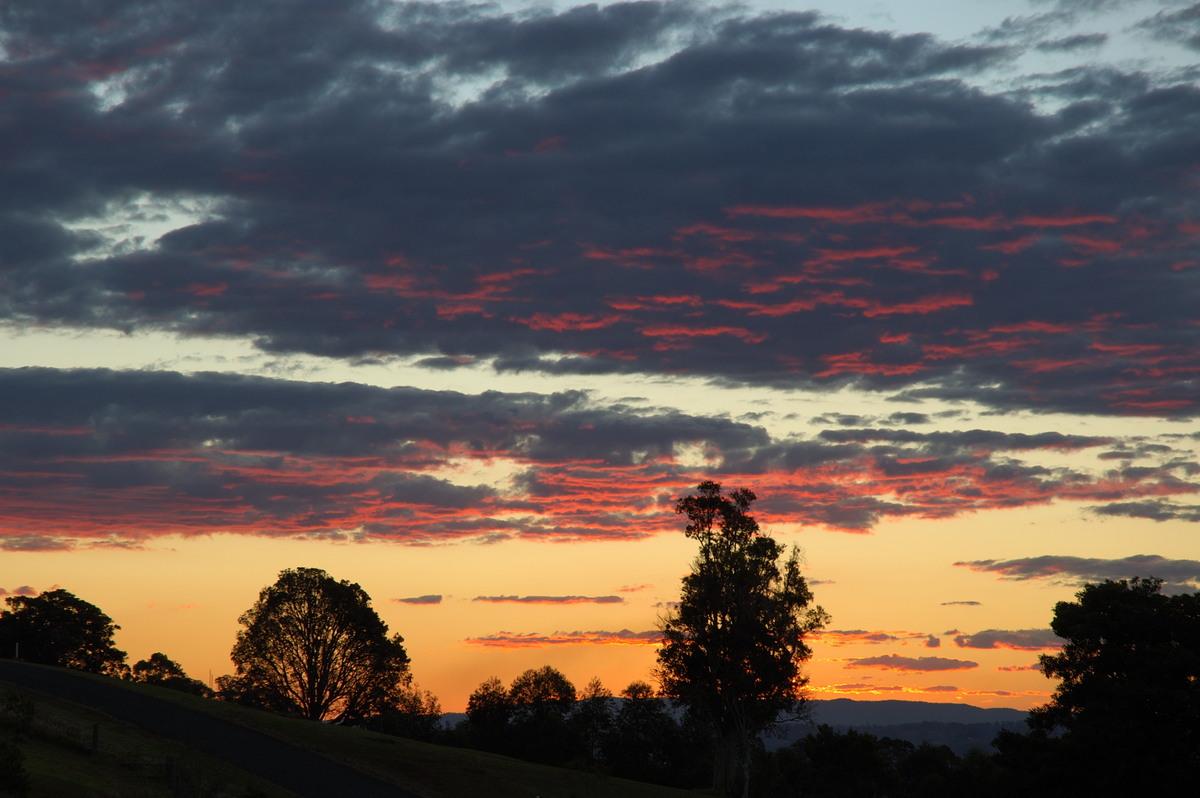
313, 646
58, 628
542, 699
1129, 696
732, 651
163, 671
489, 711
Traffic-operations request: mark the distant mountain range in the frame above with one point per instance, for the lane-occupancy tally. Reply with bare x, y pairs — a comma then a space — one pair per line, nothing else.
960, 727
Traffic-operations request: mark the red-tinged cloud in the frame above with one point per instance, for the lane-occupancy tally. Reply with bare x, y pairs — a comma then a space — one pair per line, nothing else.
894, 662
1020, 640
1066, 220
117, 459
569, 321
478, 258
622, 638
838, 637
550, 599
23, 590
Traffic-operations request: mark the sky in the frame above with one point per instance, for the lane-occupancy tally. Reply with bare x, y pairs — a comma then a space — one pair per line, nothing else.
455, 300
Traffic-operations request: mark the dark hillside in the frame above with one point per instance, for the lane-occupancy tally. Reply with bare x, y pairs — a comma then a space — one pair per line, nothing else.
304, 757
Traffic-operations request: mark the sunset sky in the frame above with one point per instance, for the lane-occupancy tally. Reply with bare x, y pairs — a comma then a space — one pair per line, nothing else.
455, 300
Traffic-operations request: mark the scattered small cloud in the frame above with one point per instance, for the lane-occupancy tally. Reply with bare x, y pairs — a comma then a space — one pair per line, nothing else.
430, 599
1077, 570
933, 641
35, 542
1036, 666
1021, 640
911, 664
599, 638
550, 599
961, 603
847, 637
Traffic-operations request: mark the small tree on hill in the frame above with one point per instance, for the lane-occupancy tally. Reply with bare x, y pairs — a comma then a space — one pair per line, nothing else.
733, 650
163, 671
58, 628
313, 646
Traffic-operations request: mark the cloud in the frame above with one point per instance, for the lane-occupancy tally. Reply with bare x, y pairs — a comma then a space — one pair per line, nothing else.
34, 542
599, 638
961, 603
841, 637
1181, 26
1152, 509
1021, 640
911, 664
430, 599
166, 453
1086, 569
932, 641
780, 193
550, 599
1036, 667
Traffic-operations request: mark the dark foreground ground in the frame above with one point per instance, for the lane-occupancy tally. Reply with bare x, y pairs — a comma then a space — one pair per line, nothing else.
288, 766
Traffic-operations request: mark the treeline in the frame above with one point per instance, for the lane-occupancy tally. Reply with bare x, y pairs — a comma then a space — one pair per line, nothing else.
1126, 712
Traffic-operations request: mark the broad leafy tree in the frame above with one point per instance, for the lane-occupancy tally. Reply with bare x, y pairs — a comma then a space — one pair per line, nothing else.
313, 646
1128, 700
58, 628
542, 700
732, 651
489, 711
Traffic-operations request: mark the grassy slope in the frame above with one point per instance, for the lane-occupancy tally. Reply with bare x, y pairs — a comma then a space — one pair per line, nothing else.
429, 770
56, 740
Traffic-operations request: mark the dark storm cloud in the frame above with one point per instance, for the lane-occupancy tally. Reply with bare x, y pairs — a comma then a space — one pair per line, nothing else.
1086, 569
642, 187
111, 458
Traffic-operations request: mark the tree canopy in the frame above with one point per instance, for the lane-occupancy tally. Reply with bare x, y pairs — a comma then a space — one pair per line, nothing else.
312, 645
58, 628
162, 671
1128, 700
733, 649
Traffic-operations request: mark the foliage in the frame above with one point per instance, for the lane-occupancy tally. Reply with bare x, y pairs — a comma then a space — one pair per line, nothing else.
489, 711
732, 651
853, 764
58, 628
1128, 701
163, 671
542, 699
313, 646
592, 720
415, 714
